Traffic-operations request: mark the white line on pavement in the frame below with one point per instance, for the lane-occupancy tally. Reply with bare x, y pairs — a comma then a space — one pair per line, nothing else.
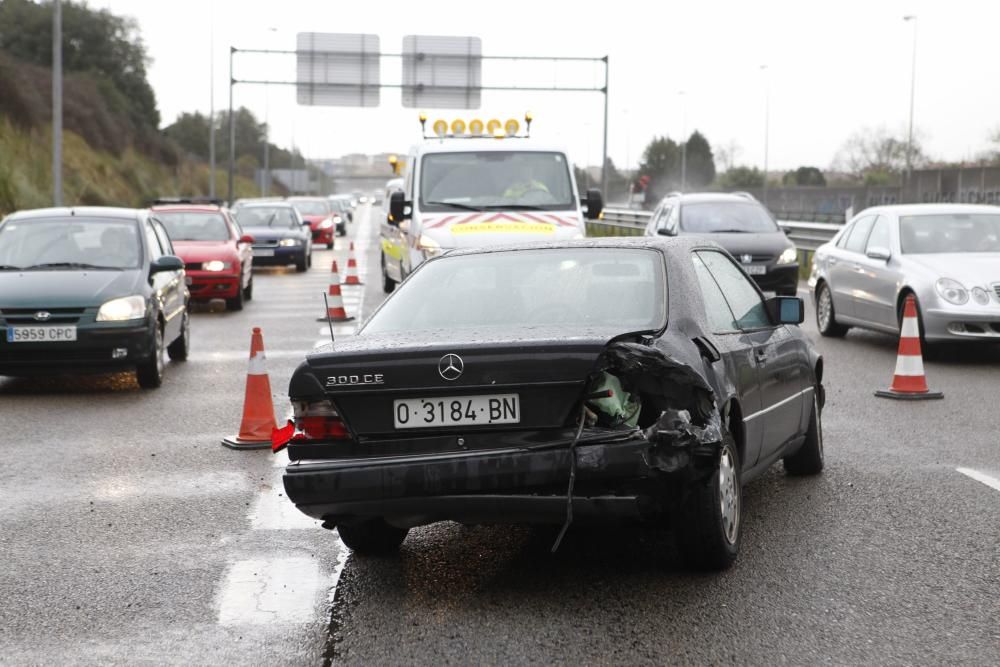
267, 591
991, 482
273, 511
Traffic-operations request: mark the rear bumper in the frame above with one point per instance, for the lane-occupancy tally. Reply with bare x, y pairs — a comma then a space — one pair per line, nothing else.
615, 480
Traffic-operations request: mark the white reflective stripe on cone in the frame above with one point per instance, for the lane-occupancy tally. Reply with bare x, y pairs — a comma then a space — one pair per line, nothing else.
909, 365
910, 328
257, 364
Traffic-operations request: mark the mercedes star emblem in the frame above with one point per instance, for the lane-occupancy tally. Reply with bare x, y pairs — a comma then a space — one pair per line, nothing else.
451, 366
746, 259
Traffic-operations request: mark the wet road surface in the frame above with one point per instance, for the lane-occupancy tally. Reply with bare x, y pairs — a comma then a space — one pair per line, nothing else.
129, 535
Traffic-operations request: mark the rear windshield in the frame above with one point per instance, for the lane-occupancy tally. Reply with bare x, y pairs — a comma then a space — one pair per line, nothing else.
954, 232
575, 288
188, 226
721, 217
69, 243
311, 207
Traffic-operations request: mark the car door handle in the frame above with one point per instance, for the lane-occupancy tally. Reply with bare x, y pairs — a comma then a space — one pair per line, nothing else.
760, 355
831, 260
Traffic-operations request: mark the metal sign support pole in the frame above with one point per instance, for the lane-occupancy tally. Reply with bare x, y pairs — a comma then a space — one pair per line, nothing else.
57, 104
232, 130
604, 162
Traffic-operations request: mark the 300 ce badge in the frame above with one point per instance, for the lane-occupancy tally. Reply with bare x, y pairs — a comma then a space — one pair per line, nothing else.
344, 380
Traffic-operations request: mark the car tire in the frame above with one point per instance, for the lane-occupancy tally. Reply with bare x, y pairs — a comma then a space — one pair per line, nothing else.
301, 265
930, 351
709, 529
248, 290
808, 459
373, 537
329, 246
388, 284
826, 317
179, 349
236, 302
150, 372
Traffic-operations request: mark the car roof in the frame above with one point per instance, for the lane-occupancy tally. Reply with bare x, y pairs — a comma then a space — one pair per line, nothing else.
665, 244
200, 208
931, 209
81, 212
268, 204
705, 197
308, 198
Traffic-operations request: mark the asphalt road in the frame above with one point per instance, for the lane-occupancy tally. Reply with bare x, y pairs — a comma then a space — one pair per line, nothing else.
129, 535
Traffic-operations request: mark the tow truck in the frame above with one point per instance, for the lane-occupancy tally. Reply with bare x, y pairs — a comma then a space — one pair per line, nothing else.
474, 184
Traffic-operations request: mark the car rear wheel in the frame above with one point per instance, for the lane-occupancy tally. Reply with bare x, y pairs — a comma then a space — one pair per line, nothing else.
388, 284
236, 302
709, 529
808, 460
150, 372
826, 317
178, 350
372, 537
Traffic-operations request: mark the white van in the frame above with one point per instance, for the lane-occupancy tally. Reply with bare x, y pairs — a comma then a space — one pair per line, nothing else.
461, 192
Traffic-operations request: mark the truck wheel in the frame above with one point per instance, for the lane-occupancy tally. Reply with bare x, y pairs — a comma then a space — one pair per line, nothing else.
808, 459
372, 537
710, 527
150, 372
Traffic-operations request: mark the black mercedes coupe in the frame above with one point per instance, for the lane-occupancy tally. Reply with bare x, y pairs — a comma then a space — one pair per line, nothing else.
598, 380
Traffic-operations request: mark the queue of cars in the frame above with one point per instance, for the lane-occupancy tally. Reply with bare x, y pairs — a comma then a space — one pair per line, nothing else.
99, 289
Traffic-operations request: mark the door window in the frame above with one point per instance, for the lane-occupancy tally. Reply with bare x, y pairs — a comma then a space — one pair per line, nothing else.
879, 238
742, 296
720, 317
155, 249
161, 234
859, 234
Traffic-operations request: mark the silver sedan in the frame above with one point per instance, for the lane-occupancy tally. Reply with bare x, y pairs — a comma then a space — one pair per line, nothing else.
946, 255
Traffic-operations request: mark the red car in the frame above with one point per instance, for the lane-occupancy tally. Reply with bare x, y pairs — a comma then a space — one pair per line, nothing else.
323, 221
217, 255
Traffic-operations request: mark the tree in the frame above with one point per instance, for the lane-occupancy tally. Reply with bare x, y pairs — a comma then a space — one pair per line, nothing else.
660, 162
700, 162
875, 156
804, 176
742, 178
728, 154
94, 41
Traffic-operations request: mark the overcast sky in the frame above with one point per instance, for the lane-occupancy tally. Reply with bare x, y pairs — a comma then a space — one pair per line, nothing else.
833, 67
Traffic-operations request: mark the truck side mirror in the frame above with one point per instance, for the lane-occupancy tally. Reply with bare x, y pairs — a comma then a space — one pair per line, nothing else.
397, 208
594, 203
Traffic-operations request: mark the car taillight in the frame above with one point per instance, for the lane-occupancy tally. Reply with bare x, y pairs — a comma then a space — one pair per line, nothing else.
318, 421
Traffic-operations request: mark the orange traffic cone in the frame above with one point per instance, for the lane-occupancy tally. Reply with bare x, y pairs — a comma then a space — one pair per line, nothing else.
352, 268
908, 382
258, 411
335, 304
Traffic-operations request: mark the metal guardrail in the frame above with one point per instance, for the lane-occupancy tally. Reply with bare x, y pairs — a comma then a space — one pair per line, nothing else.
630, 222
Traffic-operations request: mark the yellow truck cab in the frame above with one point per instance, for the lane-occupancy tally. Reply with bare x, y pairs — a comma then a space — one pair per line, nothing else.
476, 186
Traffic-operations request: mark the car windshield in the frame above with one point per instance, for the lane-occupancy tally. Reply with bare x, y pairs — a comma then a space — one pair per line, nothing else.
69, 243
480, 180
720, 217
573, 288
949, 232
311, 207
189, 226
267, 216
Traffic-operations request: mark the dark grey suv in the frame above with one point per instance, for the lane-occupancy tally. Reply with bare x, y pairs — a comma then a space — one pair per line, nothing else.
741, 225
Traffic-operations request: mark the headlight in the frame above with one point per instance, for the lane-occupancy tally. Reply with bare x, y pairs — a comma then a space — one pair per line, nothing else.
789, 256
430, 247
952, 291
125, 308
980, 296
326, 224
216, 265
285, 243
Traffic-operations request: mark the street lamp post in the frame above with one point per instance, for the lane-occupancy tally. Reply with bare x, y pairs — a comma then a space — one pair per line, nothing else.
57, 106
265, 186
684, 144
211, 102
913, 82
767, 124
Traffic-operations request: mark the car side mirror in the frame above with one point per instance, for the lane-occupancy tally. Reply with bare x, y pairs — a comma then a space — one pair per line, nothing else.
594, 203
665, 231
876, 252
786, 309
166, 263
246, 238
397, 208
306, 223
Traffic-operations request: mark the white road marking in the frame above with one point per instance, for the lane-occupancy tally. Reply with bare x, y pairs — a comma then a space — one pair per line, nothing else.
991, 482
273, 511
268, 591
